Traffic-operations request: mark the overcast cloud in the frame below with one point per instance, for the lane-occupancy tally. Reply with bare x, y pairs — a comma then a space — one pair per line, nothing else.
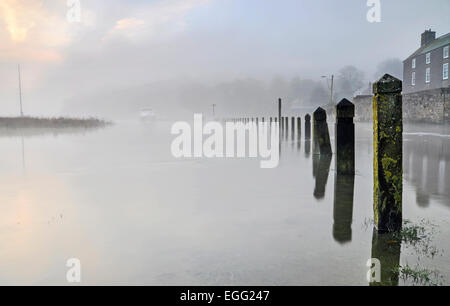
125, 43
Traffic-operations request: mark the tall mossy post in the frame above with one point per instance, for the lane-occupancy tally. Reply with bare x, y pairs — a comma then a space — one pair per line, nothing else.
388, 159
321, 136
345, 138
307, 127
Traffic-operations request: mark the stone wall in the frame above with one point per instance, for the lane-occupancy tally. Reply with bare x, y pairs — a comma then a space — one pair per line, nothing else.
363, 108
429, 106
446, 98
426, 106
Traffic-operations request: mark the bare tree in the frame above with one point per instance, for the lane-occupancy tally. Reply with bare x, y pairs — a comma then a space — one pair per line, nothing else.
392, 66
348, 81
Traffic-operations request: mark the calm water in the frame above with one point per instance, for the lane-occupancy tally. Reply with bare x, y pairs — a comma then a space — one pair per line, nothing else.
116, 199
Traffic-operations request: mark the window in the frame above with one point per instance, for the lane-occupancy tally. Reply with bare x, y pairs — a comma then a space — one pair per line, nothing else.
414, 63
428, 58
446, 52
413, 79
445, 72
428, 75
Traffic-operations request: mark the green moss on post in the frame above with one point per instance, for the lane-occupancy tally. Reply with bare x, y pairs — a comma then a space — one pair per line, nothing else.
388, 159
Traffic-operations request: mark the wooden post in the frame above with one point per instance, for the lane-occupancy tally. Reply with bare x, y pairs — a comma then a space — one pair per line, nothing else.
321, 136
292, 128
345, 138
307, 127
388, 159
299, 127
279, 110
287, 126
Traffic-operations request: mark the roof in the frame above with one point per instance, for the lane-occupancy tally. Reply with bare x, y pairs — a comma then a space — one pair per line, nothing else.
437, 43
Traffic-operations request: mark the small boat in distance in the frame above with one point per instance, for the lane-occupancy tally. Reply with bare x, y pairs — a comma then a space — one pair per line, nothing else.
147, 114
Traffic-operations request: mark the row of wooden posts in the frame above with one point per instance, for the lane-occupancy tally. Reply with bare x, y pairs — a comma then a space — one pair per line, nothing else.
387, 145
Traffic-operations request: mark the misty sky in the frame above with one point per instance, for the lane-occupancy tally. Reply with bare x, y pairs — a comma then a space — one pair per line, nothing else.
122, 43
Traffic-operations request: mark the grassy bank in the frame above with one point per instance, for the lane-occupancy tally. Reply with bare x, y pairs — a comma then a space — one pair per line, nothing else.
50, 123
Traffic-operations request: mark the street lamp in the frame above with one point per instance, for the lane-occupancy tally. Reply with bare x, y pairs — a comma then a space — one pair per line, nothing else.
330, 87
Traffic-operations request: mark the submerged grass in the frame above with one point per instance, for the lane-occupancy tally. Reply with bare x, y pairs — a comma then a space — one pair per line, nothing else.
416, 238
52, 123
419, 276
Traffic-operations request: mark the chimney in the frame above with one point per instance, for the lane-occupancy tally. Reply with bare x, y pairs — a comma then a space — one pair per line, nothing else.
427, 37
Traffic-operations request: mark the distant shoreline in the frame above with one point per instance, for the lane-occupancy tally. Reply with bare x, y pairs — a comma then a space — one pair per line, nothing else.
51, 123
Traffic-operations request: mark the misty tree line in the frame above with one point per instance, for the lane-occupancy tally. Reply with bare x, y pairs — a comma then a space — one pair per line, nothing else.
256, 97
239, 97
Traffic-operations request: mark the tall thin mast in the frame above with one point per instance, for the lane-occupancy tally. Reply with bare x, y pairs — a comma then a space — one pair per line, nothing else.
20, 92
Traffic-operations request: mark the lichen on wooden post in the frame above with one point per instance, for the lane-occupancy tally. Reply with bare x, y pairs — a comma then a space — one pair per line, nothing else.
321, 136
388, 159
345, 137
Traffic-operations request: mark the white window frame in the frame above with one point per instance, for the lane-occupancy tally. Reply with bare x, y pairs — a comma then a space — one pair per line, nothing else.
428, 58
413, 78
445, 71
446, 51
428, 75
413, 63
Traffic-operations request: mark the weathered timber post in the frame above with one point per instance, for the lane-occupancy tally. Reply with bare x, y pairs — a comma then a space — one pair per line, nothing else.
388, 159
321, 136
299, 127
292, 128
279, 109
345, 137
307, 127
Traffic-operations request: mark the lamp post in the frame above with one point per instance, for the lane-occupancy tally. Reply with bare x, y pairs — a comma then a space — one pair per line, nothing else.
330, 87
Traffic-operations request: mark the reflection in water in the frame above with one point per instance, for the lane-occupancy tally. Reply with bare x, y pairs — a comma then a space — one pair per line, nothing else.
307, 148
321, 169
426, 167
387, 250
292, 129
343, 207
75, 188
23, 154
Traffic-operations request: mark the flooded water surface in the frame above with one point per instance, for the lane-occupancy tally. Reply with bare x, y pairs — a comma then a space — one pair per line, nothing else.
117, 199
